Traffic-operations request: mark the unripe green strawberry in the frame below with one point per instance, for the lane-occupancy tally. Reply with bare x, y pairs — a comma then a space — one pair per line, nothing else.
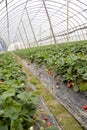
41, 128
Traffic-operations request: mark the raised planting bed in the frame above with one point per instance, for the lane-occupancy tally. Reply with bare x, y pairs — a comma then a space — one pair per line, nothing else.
66, 60
69, 61
64, 118
72, 101
21, 108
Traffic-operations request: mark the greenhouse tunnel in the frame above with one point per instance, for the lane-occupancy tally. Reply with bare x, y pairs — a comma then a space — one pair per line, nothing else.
29, 23
43, 64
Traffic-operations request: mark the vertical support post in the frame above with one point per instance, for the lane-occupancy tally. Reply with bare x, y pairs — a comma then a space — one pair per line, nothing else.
6, 4
21, 38
67, 20
31, 27
25, 33
49, 21
50, 36
40, 35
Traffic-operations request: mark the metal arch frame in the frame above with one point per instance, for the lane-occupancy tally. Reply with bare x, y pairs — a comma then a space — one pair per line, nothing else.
77, 11
11, 15
25, 9
24, 2
61, 34
1, 1
81, 2
59, 23
5, 6
81, 15
73, 9
13, 5
10, 19
79, 18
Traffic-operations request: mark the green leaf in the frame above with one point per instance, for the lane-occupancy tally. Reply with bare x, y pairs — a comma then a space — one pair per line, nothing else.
16, 125
4, 127
76, 88
85, 76
25, 96
7, 94
11, 109
80, 70
35, 100
1, 112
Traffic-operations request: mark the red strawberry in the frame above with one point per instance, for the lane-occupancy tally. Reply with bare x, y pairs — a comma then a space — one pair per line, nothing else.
49, 124
84, 107
46, 118
69, 85
57, 82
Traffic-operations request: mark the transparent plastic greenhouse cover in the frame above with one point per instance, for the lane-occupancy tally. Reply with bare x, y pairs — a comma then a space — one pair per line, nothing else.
27, 23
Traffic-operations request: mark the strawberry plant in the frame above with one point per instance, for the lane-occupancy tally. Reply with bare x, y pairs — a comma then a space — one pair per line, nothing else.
68, 60
17, 103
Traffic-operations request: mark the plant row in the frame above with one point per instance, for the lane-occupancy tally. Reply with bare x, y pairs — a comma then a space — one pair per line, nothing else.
68, 60
17, 102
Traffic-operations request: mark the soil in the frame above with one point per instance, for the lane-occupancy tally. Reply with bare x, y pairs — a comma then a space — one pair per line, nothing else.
43, 112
